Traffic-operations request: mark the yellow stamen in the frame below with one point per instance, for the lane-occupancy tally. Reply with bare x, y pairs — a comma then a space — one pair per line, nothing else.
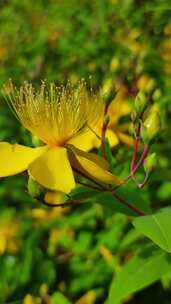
54, 114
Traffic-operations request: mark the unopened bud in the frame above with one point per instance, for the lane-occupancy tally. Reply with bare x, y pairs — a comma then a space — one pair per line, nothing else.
34, 188
157, 95
151, 127
55, 197
107, 87
150, 162
140, 102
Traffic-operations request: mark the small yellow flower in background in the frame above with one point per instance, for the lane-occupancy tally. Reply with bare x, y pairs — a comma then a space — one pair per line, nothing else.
57, 116
42, 215
28, 299
88, 298
8, 240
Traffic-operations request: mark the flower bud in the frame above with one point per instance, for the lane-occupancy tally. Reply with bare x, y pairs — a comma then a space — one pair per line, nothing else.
55, 197
150, 162
107, 86
140, 102
34, 188
115, 64
151, 127
157, 95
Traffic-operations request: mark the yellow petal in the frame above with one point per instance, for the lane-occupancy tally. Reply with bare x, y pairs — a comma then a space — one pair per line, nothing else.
16, 158
125, 138
112, 138
119, 107
54, 197
84, 141
88, 140
91, 166
91, 156
53, 171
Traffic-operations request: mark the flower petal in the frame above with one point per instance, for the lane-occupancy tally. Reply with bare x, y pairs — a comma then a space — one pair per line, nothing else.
119, 107
112, 138
91, 166
16, 158
88, 140
53, 170
125, 138
90, 156
84, 141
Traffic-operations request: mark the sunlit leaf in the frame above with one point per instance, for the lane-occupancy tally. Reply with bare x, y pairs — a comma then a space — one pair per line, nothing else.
142, 270
157, 227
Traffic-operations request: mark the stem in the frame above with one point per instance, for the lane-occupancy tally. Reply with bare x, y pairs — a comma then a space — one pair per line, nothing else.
125, 203
136, 143
104, 129
135, 154
90, 186
120, 199
146, 179
108, 189
131, 207
138, 165
100, 187
142, 158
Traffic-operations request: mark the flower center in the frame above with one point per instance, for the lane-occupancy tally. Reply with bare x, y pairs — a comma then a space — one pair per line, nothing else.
55, 114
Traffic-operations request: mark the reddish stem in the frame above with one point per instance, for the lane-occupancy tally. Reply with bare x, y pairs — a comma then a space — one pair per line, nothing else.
104, 129
146, 179
131, 207
136, 146
141, 161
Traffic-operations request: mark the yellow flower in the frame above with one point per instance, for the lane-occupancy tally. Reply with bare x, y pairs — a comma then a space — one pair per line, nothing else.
56, 115
115, 133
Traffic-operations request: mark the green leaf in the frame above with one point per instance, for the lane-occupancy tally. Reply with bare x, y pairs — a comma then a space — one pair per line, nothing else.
142, 270
157, 227
59, 298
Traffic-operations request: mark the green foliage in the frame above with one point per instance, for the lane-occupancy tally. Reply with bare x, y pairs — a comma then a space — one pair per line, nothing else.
144, 268
59, 298
75, 253
157, 227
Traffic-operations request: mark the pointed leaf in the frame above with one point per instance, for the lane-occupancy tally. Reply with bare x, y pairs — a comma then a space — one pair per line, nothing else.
157, 227
141, 271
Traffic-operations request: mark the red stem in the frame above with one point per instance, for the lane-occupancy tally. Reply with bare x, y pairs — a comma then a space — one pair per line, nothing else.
142, 158
136, 146
131, 207
104, 129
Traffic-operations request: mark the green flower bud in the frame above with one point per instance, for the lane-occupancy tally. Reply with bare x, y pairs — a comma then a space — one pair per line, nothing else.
157, 94
140, 102
150, 162
34, 189
151, 127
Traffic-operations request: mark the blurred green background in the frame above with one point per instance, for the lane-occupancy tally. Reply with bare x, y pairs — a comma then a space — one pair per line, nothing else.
69, 256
